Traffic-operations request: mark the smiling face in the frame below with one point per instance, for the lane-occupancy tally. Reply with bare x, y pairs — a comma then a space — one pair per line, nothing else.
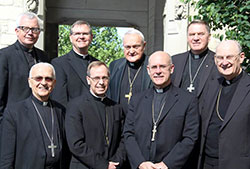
159, 69
98, 80
42, 82
198, 38
228, 59
81, 38
28, 39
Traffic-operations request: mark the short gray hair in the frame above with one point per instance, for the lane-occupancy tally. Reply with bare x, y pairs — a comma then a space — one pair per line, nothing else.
134, 31
44, 64
29, 15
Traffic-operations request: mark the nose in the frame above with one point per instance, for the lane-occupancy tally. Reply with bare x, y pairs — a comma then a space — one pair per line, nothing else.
196, 37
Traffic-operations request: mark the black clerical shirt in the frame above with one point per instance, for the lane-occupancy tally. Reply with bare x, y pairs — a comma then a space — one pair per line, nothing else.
30, 55
44, 109
196, 60
212, 140
124, 90
159, 100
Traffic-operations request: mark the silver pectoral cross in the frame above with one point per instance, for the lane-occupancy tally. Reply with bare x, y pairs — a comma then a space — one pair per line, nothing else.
52, 147
191, 88
154, 132
129, 95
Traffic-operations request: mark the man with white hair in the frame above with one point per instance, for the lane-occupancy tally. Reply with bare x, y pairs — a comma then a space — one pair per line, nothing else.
225, 112
17, 59
129, 74
33, 129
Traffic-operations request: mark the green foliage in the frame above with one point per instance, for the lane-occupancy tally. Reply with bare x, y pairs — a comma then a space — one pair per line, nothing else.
106, 45
233, 16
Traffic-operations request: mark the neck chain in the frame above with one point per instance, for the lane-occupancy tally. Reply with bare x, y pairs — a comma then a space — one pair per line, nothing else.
129, 95
217, 105
52, 146
157, 120
192, 79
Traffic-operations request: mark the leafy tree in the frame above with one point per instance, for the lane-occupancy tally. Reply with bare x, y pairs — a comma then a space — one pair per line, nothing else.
232, 16
106, 45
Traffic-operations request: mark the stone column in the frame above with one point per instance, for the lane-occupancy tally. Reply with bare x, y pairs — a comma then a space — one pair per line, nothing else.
175, 27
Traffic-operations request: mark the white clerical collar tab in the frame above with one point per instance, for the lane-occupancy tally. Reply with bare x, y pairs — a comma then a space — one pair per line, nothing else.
45, 103
196, 56
159, 90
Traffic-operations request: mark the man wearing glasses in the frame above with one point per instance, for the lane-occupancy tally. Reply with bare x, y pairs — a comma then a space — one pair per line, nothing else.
33, 129
94, 125
17, 59
71, 68
225, 112
129, 74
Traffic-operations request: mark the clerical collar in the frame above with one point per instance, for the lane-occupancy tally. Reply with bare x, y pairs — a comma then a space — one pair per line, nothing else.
136, 65
81, 55
161, 90
97, 97
195, 56
226, 82
39, 102
25, 48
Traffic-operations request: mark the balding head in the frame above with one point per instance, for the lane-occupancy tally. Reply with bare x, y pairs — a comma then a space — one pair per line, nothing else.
228, 58
159, 68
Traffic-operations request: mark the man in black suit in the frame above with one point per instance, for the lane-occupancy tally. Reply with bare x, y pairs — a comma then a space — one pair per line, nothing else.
94, 125
16, 60
193, 68
162, 123
129, 74
225, 112
33, 129
71, 68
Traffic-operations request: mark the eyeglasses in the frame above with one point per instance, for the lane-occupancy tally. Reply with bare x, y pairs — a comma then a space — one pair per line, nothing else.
81, 33
228, 57
40, 78
27, 29
127, 47
97, 79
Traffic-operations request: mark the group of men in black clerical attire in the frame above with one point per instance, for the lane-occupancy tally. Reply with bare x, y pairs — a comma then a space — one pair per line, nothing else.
189, 111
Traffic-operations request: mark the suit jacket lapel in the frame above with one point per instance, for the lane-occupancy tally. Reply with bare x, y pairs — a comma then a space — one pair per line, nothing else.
148, 105
22, 57
180, 65
240, 93
208, 65
79, 68
34, 121
170, 99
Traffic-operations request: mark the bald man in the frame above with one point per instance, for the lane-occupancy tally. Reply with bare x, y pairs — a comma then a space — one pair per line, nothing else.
225, 142
162, 123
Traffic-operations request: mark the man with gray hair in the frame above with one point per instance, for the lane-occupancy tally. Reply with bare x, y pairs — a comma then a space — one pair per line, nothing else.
225, 112
129, 74
33, 129
17, 59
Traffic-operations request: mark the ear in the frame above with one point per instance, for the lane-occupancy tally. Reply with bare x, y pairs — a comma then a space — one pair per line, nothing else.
148, 70
88, 80
172, 69
242, 57
29, 81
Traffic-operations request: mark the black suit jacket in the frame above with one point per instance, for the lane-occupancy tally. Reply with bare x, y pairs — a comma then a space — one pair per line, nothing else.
70, 77
86, 134
234, 142
22, 145
14, 72
208, 69
177, 129
117, 69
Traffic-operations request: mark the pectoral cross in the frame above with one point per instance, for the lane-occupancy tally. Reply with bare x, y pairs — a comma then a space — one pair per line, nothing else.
154, 132
190, 88
52, 147
129, 95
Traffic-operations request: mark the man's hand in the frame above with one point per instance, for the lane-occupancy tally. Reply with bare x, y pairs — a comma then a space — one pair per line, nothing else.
161, 165
112, 165
147, 165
